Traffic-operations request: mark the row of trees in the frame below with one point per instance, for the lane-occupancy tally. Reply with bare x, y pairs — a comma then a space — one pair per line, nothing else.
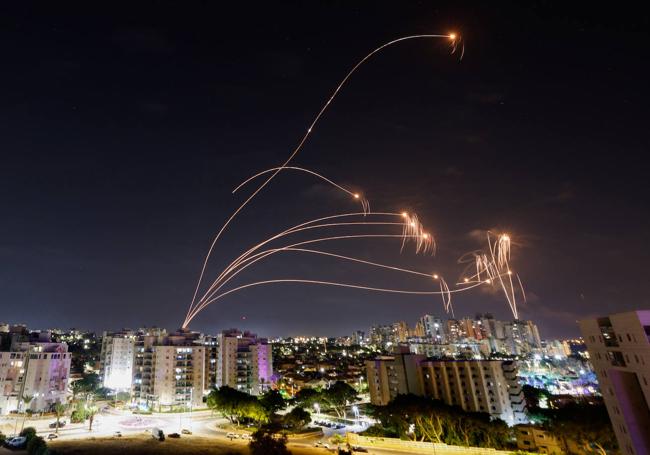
335, 398
239, 406
423, 419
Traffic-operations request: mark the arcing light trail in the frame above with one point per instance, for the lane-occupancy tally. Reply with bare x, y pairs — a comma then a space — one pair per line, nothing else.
365, 204
413, 230
250, 260
454, 41
494, 264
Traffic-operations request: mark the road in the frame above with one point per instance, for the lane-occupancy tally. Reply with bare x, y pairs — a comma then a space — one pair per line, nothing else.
202, 424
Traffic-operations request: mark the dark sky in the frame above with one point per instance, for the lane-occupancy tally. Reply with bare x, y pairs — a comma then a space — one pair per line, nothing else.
124, 128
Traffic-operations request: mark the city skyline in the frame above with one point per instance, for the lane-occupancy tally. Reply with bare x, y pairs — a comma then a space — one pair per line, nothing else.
116, 182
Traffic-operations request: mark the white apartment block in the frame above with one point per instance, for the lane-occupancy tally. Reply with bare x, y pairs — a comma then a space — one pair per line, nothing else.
170, 370
179, 375
40, 370
619, 349
117, 357
475, 386
489, 386
244, 362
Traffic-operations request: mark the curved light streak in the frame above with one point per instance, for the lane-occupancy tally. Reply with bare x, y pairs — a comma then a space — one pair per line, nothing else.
304, 139
201, 304
302, 226
365, 204
331, 283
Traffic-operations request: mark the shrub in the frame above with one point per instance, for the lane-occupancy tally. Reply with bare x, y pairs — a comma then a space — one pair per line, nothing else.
78, 416
2, 438
37, 446
29, 433
264, 443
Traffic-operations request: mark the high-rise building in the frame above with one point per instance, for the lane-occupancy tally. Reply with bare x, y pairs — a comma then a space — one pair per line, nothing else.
521, 337
389, 376
489, 386
619, 349
475, 386
244, 362
116, 359
32, 365
400, 332
170, 370
433, 328
358, 337
381, 335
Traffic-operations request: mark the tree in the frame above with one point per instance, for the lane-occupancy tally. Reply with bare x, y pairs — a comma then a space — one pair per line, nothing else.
306, 398
90, 412
297, 418
423, 419
264, 442
37, 446
273, 402
251, 408
588, 425
26, 400
533, 395
89, 384
59, 411
235, 405
338, 396
28, 433
79, 413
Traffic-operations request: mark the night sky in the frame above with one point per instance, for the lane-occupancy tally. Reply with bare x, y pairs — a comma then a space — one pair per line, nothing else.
124, 128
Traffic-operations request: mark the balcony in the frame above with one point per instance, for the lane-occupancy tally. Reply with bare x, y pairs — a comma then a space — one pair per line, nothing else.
616, 358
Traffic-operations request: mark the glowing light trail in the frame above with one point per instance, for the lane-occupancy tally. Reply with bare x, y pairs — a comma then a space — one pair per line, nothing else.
365, 204
250, 260
454, 40
310, 225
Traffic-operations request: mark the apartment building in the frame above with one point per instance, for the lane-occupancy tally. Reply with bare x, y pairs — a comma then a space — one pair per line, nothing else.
489, 386
389, 376
116, 359
244, 362
619, 349
31, 365
170, 370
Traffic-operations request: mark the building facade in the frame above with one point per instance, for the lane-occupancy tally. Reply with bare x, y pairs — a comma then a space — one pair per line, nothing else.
116, 360
389, 376
488, 386
33, 366
244, 362
619, 349
170, 370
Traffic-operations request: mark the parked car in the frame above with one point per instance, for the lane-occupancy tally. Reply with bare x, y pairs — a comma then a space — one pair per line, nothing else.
52, 436
158, 434
117, 434
322, 444
186, 431
173, 435
17, 442
61, 424
359, 449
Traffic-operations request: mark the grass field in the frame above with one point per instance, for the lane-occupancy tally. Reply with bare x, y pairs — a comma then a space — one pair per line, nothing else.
146, 445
